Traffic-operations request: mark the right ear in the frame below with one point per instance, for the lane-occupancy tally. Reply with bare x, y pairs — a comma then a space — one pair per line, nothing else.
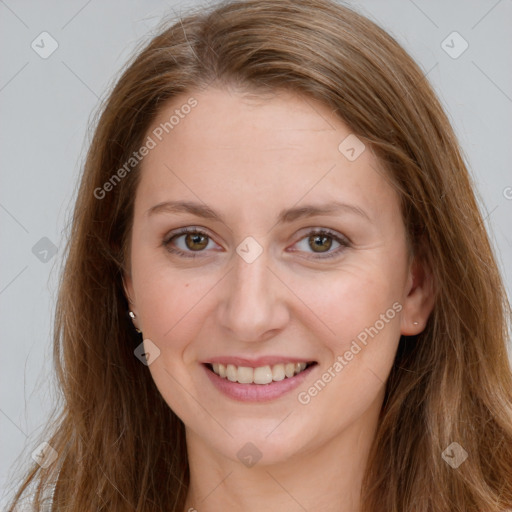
128, 289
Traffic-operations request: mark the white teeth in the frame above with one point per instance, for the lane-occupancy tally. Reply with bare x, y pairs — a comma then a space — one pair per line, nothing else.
260, 375
231, 372
278, 372
245, 375
289, 369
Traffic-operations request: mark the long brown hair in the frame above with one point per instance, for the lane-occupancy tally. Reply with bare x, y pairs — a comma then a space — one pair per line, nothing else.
119, 445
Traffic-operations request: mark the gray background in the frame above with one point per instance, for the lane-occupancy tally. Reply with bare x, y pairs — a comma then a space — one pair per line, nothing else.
46, 105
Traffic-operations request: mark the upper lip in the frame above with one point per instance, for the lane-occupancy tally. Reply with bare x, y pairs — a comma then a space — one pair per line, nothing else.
255, 363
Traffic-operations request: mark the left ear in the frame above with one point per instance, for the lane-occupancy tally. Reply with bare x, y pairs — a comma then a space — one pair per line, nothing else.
420, 298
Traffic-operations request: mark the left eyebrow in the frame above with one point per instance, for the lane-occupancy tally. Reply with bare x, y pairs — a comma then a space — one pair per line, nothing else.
311, 210
285, 216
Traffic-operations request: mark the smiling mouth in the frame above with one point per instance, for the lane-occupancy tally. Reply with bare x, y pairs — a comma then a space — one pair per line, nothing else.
259, 375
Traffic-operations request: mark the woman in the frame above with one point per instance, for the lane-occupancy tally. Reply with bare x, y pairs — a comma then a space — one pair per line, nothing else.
236, 149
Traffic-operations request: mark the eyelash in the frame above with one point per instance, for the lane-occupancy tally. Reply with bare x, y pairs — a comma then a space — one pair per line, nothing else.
342, 241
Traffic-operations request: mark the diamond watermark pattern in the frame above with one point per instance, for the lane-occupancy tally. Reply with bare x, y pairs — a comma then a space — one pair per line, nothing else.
147, 352
249, 454
351, 147
44, 455
44, 45
44, 250
249, 249
454, 455
454, 45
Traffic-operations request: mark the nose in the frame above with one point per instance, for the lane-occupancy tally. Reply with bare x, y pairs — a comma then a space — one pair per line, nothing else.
254, 306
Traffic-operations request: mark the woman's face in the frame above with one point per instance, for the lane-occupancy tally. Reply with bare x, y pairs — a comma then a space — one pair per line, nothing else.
255, 285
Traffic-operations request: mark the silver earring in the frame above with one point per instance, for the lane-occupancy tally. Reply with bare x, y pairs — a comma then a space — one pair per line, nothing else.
132, 316
416, 323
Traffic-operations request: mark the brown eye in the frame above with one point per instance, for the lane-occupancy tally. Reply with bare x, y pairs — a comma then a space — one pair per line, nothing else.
196, 241
187, 241
321, 242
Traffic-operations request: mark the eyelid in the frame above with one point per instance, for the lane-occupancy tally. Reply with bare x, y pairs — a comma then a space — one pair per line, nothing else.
187, 229
183, 231
328, 231
343, 240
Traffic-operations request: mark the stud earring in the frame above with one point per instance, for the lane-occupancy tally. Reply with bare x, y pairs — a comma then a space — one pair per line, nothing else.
416, 323
132, 316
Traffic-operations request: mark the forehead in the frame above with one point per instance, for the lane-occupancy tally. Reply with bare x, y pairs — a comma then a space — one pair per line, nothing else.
239, 148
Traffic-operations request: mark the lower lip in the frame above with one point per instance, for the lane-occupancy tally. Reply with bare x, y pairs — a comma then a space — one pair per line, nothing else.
257, 392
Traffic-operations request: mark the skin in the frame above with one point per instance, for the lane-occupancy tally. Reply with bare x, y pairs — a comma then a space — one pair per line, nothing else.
248, 158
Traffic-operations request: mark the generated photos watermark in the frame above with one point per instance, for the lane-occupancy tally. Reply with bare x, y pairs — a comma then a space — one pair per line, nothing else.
305, 397
151, 142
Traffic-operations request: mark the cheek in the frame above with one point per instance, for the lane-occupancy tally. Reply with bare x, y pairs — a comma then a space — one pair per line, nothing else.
353, 299
363, 311
168, 302
171, 303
